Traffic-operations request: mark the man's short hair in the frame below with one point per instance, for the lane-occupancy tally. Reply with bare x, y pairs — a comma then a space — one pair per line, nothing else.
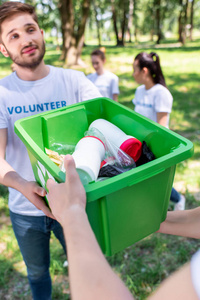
10, 8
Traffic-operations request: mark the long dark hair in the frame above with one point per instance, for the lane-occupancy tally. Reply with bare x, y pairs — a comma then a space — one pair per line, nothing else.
152, 63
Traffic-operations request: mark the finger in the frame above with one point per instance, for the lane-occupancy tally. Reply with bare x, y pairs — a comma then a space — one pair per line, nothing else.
40, 191
69, 162
41, 204
50, 183
48, 213
70, 167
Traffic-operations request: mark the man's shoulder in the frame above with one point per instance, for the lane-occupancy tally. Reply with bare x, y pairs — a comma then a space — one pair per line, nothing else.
6, 80
67, 72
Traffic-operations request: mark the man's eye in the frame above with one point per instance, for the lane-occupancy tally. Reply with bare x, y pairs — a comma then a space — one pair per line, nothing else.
14, 36
31, 30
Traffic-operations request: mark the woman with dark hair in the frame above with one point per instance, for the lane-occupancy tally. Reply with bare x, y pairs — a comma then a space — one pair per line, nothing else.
106, 82
153, 100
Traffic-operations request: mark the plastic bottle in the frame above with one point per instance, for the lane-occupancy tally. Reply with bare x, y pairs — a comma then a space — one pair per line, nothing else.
127, 143
88, 154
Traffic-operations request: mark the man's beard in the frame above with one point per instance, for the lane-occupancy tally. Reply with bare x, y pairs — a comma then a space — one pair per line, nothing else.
29, 65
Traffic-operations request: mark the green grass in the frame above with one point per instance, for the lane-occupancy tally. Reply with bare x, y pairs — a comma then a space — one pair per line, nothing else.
145, 264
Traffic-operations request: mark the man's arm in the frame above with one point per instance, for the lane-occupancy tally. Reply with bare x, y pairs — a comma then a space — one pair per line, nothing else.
177, 286
9, 177
184, 223
90, 275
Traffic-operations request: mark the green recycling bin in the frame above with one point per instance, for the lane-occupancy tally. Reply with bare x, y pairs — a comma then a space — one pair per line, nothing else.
128, 207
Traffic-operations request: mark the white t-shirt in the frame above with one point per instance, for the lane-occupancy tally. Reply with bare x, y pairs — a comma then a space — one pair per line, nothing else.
149, 102
107, 83
195, 272
19, 99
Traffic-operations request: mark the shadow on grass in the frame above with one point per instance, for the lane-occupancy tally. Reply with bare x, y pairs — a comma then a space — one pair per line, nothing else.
12, 283
147, 263
186, 90
132, 48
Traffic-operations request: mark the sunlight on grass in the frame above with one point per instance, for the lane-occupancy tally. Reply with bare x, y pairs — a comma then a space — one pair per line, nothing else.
4, 73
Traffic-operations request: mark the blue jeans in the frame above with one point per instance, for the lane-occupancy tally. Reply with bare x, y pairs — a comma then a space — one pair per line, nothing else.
175, 196
33, 236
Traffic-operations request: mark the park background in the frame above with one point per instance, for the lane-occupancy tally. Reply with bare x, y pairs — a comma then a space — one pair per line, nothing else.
124, 28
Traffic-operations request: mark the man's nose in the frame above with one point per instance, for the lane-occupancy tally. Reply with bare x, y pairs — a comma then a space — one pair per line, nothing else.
26, 40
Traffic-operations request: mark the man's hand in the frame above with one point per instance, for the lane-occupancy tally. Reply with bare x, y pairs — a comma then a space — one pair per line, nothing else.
69, 195
35, 193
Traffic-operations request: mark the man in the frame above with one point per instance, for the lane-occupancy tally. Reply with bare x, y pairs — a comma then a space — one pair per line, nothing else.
34, 87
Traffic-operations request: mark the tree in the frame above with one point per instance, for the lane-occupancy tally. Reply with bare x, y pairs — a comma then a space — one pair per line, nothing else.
191, 18
120, 19
130, 18
74, 16
98, 24
158, 20
48, 16
182, 20
135, 20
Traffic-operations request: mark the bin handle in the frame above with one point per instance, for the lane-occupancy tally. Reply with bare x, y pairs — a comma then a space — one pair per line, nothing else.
146, 176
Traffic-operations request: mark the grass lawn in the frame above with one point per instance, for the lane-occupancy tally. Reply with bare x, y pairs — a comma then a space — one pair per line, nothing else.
145, 264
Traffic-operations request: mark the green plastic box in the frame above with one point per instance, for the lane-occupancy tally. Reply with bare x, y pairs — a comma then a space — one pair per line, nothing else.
125, 208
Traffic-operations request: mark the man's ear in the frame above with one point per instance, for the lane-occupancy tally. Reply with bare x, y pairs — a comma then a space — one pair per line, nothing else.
42, 32
3, 50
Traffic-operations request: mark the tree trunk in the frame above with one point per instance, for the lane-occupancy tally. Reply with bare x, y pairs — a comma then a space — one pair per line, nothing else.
73, 40
123, 23
114, 18
158, 21
185, 18
180, 25
97, 23
135, 20
130, 19
67, 23
182, 20
191, 19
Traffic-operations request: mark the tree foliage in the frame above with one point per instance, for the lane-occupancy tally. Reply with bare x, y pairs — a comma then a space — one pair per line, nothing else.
125, 20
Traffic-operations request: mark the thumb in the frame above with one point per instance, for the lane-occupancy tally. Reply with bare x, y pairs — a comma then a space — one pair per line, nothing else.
69, 162
70, 168
50, 183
